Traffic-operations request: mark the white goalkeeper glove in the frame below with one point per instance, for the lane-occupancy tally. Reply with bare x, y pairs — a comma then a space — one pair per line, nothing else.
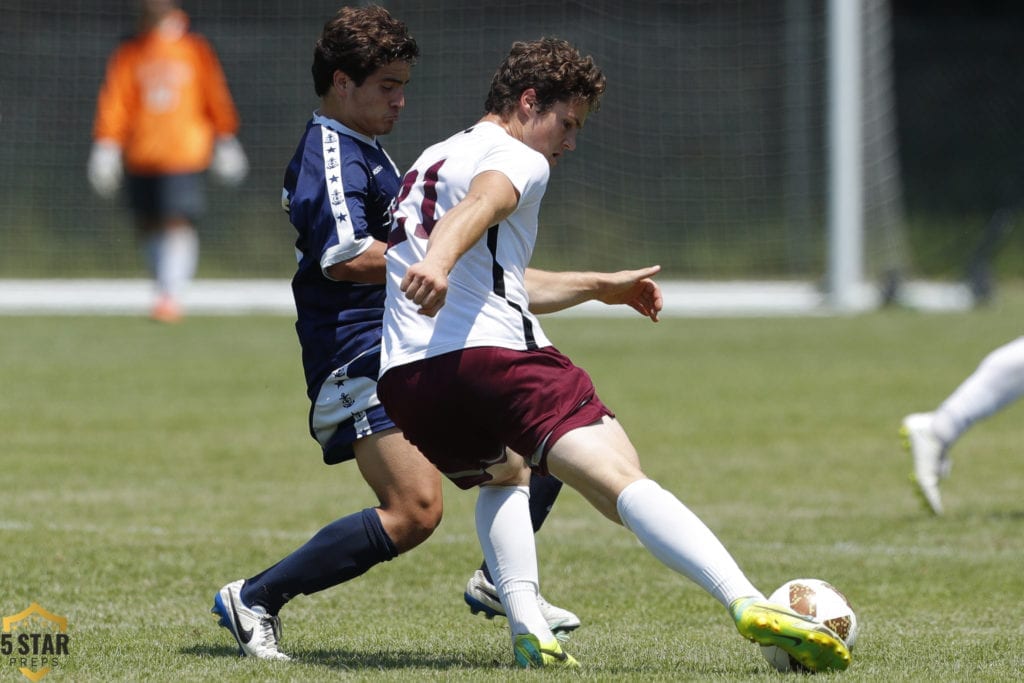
104, 170
229, 164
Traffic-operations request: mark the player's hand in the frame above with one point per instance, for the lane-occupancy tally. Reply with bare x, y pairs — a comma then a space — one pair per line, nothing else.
229, 165
104, 170
426, 286
636, 289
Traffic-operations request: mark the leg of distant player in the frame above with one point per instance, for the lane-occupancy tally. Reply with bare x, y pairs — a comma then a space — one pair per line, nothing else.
172, 255
997, 382
166, 208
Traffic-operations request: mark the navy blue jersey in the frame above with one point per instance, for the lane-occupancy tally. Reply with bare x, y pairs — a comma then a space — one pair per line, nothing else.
337, 191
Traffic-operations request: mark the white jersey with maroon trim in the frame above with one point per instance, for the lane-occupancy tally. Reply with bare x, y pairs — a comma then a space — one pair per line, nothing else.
486, 304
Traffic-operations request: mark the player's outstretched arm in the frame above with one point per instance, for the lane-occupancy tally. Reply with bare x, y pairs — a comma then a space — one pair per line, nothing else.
555, 291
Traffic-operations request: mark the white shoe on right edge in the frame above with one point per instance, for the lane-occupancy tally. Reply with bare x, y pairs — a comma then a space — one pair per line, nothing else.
929, 453
482, 596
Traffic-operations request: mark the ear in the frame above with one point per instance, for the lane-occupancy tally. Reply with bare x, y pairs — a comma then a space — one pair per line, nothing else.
527, 100
341, 80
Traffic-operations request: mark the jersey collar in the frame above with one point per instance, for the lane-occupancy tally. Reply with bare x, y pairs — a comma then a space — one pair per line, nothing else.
339, 127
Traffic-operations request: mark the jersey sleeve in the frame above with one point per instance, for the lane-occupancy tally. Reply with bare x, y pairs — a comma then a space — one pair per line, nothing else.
527, 170
328, 203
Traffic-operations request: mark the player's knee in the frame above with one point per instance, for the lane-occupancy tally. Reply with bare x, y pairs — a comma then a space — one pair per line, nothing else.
425, 518
414, 521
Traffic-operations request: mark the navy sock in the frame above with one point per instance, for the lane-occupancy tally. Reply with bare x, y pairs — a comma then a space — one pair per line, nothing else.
342, 550
543, 492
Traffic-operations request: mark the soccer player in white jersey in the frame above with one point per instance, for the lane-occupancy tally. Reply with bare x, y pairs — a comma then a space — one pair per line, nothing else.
459, 326
338, 189
997, 382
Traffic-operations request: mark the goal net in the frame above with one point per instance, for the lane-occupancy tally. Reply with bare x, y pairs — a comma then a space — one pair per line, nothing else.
709, 154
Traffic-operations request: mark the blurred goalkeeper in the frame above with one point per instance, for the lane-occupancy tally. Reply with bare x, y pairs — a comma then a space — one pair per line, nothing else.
163, 118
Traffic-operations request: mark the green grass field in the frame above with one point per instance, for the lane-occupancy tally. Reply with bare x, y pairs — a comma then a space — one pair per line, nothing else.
145, 466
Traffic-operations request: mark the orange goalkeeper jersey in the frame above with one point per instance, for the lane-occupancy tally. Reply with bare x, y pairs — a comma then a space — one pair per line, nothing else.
164, 100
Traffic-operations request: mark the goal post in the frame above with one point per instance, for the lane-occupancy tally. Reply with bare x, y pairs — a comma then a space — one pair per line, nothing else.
846, 187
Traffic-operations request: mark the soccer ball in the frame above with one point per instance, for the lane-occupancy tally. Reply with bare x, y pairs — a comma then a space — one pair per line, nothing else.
818, 599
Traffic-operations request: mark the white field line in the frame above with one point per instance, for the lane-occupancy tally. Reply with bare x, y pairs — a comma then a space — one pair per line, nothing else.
241, 297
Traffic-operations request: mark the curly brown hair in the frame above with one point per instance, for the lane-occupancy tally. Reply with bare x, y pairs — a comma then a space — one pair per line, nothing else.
358, 41
552, 67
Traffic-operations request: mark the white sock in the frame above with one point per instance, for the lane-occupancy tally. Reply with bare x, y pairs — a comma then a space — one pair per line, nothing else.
178, 261
677, 537
506, 537
172, 257
997, 382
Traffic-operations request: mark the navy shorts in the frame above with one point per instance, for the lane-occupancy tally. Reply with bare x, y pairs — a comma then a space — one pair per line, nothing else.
346, 407
167, 196
461, 409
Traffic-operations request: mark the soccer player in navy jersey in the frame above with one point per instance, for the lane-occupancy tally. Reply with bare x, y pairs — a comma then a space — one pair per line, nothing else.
337, 191
460, 322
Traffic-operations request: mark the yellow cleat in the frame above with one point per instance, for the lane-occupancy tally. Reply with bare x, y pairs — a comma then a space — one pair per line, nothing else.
531, 654
811, 643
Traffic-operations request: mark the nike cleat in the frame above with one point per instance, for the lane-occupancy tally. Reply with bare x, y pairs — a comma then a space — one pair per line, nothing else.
931, 459
530, 654
814, 645
256, 631
482, 596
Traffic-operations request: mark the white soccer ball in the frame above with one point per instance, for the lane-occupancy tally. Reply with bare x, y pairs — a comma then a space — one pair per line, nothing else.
818, 599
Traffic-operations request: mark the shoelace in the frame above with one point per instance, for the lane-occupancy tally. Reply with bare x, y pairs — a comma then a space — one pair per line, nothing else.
270, 629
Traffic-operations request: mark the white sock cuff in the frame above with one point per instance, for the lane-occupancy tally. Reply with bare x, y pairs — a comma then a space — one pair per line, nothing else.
494, 495
627, 497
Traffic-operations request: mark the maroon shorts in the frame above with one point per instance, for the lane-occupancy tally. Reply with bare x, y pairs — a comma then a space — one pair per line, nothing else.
461, 409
